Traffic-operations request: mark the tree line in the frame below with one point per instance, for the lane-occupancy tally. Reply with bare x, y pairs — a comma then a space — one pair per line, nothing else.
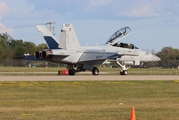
10, 47
169, 57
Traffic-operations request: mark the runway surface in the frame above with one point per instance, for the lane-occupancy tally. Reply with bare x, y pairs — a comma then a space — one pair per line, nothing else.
89, 77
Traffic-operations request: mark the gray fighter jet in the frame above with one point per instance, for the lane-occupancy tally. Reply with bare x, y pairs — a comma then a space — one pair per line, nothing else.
81, 58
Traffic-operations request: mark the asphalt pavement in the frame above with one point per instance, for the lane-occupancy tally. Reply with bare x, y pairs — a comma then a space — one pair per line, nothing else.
89, 77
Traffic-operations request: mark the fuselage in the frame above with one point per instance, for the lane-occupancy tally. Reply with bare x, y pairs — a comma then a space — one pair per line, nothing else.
100, 53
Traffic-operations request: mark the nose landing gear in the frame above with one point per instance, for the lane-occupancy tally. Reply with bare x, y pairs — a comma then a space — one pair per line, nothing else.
124, 68
123, 72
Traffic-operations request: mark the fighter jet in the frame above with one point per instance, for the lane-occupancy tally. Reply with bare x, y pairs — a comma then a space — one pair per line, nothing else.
81, 58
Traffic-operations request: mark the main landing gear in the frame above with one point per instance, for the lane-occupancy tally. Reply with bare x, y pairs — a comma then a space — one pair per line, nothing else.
124, 69
95, 71
72, 71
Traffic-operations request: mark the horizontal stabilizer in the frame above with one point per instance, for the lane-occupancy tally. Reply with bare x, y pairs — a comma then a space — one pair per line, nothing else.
27, 57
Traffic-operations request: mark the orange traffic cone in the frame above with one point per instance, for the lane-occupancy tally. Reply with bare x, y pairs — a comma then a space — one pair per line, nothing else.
133, 117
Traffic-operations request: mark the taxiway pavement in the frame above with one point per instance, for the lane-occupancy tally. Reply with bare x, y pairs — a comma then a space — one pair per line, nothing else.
89, 77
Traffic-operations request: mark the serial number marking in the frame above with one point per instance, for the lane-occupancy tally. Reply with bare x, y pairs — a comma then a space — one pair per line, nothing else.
98, 57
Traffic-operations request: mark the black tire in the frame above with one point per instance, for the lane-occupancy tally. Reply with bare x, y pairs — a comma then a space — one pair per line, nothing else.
95, 71
59, 72
71, 72
123, 72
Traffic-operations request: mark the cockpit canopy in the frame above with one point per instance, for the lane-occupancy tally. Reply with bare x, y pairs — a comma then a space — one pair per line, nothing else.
118, 35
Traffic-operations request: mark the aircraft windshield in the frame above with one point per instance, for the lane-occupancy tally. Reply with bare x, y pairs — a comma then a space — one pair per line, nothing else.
118, 34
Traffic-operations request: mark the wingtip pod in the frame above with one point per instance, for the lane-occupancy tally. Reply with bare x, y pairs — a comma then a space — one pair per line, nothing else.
48, 36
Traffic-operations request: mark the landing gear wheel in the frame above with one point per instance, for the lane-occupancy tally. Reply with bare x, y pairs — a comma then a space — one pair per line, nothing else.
95, 71
59, 72
71, 72
123, 72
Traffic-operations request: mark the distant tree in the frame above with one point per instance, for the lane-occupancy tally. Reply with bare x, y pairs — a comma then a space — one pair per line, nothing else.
30, 47
1, 52
19, 51
169, 57
42, 46
4, 39
4, 48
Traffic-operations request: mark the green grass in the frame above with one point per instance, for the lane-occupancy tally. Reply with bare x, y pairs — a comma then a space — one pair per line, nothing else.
27, 69
93, 100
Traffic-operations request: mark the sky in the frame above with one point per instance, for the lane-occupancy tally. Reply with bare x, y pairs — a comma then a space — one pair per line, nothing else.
154, 23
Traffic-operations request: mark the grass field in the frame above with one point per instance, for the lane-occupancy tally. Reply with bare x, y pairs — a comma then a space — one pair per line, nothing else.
112, 71
93, 100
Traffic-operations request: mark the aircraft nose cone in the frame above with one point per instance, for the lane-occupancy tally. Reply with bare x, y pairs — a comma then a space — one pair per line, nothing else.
155, 58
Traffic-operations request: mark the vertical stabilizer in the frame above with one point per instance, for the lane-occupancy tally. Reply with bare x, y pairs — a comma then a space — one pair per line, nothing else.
68, 38
50, 39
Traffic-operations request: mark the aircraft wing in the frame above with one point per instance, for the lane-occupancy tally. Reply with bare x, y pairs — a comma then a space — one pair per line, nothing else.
118, 35
97, 56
